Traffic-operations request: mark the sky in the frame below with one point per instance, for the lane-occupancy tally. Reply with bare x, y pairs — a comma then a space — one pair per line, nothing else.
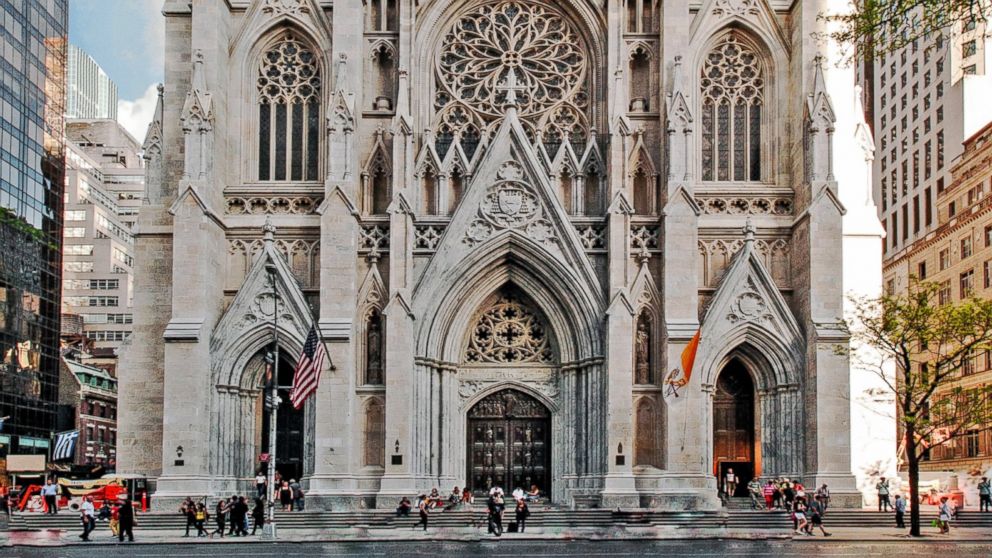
126, 38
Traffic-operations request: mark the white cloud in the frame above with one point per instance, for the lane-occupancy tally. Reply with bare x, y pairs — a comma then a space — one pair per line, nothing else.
137, 114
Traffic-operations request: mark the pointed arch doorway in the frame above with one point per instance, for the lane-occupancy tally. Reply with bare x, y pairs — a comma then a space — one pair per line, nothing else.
509, 443
734, 426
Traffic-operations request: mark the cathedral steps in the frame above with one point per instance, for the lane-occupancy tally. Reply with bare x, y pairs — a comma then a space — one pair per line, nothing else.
550, 518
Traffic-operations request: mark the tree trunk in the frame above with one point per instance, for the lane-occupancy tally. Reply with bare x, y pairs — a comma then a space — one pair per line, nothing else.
913, 461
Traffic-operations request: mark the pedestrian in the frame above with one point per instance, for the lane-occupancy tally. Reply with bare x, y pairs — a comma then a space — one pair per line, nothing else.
815, 512
115, 518
239, 514
755, 493
201, 520
900, 507
984, 495
495, 516
234, 516
730, 483
944, 516
299, 498
220, 517
258, 515
87, 515
882, 487
769, 493
522, 513
50, 492
295, 487
260, 482
127, 521
188, 508
824, 493
422, 507
799, 521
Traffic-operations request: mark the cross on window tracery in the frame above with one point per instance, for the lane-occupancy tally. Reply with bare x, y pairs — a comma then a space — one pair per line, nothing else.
509, 332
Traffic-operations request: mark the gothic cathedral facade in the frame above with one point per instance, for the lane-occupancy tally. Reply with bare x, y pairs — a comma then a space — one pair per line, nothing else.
506, 219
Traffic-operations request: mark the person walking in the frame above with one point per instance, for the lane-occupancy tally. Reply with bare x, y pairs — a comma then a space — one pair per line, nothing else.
944, 516
521, 515
232, 517
50, 493
115, 518
754, 492
297, 494
258, 515
495, 507
188, 508
260, 483
984, 495
239, 513
799, 516
900, 507
220, 517
201, 520
87, 515
730, 483
815, 513
882, 487
286, 497
422, 507
127, 521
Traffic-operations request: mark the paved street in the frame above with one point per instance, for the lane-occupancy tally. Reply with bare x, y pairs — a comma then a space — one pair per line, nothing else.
611, 549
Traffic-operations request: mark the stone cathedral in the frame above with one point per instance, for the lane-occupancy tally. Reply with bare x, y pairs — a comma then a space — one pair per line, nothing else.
506, 219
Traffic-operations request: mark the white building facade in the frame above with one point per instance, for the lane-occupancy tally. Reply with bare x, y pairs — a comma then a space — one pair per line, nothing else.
507, 220
90, 93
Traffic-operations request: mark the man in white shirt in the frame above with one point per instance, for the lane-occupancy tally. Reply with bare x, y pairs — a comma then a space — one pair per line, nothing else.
86, 513
260, 482
731, 483
50, 492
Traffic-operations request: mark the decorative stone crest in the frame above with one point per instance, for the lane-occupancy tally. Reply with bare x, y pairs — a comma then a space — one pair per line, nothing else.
280, 7
740, 8
750, 306
510, 204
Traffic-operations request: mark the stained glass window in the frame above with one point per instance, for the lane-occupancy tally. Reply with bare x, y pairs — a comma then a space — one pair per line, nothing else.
289, 80
732, 93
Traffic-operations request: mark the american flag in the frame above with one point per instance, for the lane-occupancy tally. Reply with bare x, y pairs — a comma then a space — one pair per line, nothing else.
307, 374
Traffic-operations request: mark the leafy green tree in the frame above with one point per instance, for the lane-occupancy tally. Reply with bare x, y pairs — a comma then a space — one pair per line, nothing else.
875, 27
932, 341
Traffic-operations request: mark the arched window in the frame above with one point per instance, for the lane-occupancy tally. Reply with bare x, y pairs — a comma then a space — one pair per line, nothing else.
383, 15
373, 349
732, 88
640, 16
288, 86
375, 434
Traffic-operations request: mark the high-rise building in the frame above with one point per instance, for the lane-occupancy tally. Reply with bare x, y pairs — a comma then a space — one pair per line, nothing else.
90, 93
925, 101
32, 165
104, 183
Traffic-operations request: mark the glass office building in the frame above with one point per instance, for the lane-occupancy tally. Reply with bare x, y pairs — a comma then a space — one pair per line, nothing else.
33, 39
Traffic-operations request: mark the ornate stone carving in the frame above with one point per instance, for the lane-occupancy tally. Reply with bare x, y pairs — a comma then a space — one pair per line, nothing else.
644, 235
510, 204
593, 237
288, 73
745, 205
740, 8
642, 351
509, 332
303, 256
374, 236
373, 348
427, 237
529, 39
257, 205
509, 403
280, 7
749, 306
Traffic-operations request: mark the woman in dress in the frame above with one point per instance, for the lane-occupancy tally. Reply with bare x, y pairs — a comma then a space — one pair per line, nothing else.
286, 496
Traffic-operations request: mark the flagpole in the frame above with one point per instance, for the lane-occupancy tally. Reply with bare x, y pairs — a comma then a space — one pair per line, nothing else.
270, 527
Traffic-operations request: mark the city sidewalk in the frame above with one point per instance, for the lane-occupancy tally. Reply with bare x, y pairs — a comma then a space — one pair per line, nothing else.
102, 536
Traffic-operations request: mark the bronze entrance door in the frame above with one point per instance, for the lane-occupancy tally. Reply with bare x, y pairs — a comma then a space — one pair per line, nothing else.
509, 443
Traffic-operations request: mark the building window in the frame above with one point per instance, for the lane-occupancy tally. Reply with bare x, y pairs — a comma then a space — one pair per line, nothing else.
971, 445
944, 259
921, 270
970, 70
944, 294
967, 283
75, 215
289, 85
952, 209
966, 247
732, 91
969, 48
78, 267
74, 232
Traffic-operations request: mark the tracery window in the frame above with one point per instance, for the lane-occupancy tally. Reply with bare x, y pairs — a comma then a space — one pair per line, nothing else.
508, 331
732, 89
532, 40
289, 88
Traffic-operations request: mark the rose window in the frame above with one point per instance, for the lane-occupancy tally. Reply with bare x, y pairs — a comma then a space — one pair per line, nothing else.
530, 39
509, 332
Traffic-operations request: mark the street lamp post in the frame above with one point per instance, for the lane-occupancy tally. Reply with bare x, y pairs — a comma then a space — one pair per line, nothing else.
272, 399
